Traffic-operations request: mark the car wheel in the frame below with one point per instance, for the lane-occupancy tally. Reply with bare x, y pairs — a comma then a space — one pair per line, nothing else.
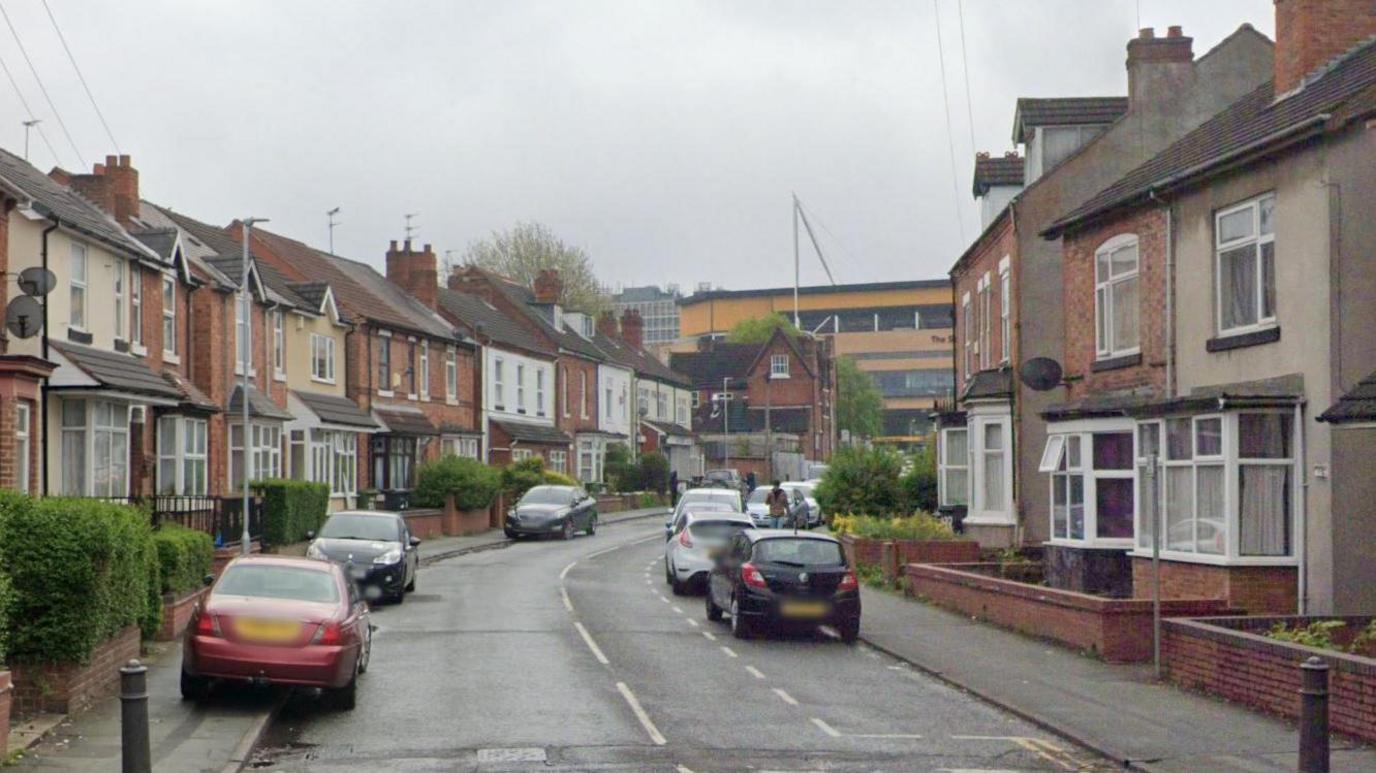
346, 698
567, 533
367, 653
195, 688
668, 573
679, 587
411, 586
713, 611
400, 597
849, 630
592, 525
740, 628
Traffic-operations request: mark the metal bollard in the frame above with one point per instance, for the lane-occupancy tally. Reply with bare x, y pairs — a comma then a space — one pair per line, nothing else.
133, 697
1313, 716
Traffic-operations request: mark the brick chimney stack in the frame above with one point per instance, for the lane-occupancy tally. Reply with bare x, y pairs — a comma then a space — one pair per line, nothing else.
113, 186
548, 287
1309, 33
606, 325
415, 271
1158, 68
633, 328
469, 280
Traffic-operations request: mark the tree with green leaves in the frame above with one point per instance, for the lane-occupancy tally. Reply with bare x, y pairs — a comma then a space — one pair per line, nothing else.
761, 329
859, 406
522, 251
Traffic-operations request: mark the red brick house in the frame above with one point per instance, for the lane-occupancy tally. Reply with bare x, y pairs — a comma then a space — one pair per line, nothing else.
404, 364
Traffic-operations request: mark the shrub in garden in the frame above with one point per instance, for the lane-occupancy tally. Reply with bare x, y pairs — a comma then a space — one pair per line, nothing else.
520, 477
621, 473
654, 472
916, 527
473, 484
291, 508
184, 558
919, 484
860, 480
553, 478
6, 598
81, 570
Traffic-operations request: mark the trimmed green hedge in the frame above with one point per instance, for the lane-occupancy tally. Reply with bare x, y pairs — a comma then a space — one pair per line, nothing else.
184, 558
81, 570
520, 477
474, 485
553, 478
291, 508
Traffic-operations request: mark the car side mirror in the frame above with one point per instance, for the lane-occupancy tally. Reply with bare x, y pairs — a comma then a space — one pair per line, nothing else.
310, 535
415, 541
208, 580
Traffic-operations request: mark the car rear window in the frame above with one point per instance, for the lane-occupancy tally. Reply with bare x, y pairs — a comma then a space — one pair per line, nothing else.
382, 528
802, 552
279, 582
717, 530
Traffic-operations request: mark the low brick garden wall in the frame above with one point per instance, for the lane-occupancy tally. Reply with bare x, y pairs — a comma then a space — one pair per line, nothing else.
176, 613
1228, 657
6, 690
1115, 630
459, 523
893, 555
425, 522
65, 687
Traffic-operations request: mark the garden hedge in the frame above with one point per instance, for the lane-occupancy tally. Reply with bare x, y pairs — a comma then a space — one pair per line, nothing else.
474, 485
184, 558
291, 508
81, 570
520, 477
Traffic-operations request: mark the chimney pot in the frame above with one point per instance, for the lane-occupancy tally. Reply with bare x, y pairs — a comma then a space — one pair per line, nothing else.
983, 154
1010, 154
1146, 33
1174, 31
98, 169
427, 249
394, 246
408, 245
112, 161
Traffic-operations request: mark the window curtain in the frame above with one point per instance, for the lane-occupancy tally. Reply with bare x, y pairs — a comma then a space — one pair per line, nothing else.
1210, 529
1179, 515
1238, 277
1264, 510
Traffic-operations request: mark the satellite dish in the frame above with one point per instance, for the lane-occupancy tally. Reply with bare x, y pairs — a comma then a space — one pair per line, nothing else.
37, 281
24, 317
1040, 374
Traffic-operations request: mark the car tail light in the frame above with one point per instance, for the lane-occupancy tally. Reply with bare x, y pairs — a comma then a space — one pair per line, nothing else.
752, 577
848, 582
208, 625
684, 539
328, 633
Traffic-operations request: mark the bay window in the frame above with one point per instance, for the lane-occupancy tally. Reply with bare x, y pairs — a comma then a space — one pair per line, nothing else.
1115, 298
1226, 486
181, 449
1245, 252
264, 453
463, 447
559, 461
953, 479
95, 448
1093, 481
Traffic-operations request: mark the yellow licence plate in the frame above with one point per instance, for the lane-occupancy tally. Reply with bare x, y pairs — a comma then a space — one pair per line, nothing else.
267, 631
804, 609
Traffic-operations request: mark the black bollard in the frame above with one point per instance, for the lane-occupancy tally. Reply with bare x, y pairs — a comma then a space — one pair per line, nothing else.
1313, 716
133, 696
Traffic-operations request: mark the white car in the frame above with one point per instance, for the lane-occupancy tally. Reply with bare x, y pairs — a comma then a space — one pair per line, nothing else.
721, 499
759, 511
692, 549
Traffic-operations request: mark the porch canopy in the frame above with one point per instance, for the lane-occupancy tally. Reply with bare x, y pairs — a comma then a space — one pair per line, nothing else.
331, 412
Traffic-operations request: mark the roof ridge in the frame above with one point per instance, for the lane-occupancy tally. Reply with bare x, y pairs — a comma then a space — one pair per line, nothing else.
1321, 71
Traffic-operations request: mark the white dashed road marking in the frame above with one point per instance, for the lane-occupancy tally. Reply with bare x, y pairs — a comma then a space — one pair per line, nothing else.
825, 728
729, 652
692, 622
680, 611
755, 672
785, 697
592, 645
710, 636
640, 714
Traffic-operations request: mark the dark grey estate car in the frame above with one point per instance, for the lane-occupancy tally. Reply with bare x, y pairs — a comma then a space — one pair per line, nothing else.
560, 510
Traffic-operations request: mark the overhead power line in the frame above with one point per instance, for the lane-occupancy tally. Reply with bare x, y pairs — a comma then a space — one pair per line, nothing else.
946, 103
71, 58
41, 87
25, 104
964, 70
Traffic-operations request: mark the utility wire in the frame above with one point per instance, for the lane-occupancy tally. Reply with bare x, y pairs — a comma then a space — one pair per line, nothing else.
25, 103
812, 216
71, 58
965, 71
41, 87
815, 245
946, 103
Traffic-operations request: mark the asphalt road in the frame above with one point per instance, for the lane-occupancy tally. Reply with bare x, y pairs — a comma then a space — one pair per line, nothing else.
574, 656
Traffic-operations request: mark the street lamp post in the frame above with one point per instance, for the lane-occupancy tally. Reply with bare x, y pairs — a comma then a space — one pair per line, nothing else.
725, 423
245, 358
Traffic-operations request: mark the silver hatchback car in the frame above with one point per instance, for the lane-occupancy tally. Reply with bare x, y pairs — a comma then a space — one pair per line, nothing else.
692, 549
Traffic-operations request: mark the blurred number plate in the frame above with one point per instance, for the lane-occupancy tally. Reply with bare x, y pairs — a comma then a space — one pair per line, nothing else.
804, 609
716, 551
272, 631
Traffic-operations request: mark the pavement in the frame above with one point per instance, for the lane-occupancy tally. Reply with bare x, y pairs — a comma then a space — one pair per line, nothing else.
216, 736
1119, 711
554, 655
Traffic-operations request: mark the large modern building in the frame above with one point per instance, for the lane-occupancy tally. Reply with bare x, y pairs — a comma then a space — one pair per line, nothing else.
898, 332
658, 309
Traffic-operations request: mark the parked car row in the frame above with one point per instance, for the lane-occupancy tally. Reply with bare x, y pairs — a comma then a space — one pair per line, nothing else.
761, 578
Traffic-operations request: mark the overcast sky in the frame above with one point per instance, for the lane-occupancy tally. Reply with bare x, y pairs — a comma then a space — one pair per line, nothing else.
663, 137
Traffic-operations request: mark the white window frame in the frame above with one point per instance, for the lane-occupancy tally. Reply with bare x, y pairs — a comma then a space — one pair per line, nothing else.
498, 384
120, 321
1103, 297
23, 422
79, 266
1232, 463
565, 389
279, 346
539, 391
451, 375
243, 334
1060, 439
520, 387
610, 402
90, 434
182, 445
778, 366
947, 465
169, 317
583, 393
1005, 311
322, 345
559, 462
985, 313
264, 459
384, 363
980, 512
1256, 240
135, 308
969, 344
425, 369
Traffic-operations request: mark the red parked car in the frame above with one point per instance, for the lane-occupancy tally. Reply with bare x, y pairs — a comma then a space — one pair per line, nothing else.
279, 620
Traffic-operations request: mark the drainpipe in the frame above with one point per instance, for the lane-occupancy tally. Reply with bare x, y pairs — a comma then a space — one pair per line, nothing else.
43, 390
1169, 333
1301, 515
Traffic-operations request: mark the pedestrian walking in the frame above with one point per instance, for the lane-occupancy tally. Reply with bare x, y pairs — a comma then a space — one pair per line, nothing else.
749, 483
777, 500
673, 487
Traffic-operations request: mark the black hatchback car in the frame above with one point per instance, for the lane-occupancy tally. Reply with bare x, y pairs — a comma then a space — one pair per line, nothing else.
772, 577
376, 548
